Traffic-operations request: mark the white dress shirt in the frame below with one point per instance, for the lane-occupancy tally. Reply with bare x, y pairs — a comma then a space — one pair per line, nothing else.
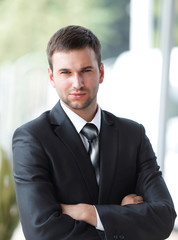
79, 123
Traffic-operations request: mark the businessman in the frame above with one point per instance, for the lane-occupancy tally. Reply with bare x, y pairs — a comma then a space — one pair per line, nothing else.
80, 172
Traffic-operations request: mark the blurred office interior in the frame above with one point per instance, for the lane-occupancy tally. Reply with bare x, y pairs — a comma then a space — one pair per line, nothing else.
140, 53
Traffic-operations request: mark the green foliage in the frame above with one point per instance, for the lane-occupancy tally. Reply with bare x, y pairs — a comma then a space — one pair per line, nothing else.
8, 207
157, 11
26, 26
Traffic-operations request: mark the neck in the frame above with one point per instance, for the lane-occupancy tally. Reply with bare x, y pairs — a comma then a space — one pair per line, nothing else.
87, 113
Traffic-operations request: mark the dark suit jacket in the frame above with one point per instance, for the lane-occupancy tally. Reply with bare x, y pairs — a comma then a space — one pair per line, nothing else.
51, 166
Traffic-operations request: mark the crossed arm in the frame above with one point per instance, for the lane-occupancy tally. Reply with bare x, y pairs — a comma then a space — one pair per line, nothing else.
154, 219
87, 212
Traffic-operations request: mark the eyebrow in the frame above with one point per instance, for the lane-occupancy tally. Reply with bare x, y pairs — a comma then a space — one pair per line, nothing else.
68, 70
86, 67
64, 70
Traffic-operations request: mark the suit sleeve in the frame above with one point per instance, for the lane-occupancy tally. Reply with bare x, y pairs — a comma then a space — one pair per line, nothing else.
39, 209
153, 219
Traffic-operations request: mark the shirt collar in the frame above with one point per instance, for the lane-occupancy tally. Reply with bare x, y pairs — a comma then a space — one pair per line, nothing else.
79, 122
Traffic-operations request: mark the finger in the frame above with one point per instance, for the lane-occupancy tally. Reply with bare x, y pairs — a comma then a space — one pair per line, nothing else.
138, 199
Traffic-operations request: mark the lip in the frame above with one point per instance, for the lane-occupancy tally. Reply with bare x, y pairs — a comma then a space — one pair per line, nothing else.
77, 95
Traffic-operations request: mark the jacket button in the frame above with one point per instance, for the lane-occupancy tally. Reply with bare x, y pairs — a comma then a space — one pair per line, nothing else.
121, 236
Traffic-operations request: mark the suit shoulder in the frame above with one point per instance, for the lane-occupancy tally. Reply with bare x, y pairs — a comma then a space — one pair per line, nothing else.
129, 130
122, 122
36, 124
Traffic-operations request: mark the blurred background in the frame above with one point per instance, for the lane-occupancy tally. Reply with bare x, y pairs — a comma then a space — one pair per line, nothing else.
139, 47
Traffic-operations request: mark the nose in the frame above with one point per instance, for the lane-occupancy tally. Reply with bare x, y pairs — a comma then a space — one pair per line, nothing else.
77, 81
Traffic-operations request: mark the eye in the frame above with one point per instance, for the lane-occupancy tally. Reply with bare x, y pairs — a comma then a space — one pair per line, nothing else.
86, 70
65, 72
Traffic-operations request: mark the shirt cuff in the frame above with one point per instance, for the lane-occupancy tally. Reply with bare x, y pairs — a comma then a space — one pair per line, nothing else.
99, 223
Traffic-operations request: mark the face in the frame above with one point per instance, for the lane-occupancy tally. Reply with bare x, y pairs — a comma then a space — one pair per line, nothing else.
76, 77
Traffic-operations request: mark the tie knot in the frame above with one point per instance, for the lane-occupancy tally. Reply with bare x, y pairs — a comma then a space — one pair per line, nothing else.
90, 131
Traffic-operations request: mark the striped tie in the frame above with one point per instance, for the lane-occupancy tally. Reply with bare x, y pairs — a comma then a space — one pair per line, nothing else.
90, 131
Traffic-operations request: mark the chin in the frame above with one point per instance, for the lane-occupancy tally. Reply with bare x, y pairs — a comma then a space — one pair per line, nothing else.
78, 106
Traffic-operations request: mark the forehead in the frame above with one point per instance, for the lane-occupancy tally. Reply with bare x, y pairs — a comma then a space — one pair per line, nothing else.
74, 58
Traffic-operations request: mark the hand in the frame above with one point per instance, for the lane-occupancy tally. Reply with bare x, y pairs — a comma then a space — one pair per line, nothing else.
81, 211
131, 199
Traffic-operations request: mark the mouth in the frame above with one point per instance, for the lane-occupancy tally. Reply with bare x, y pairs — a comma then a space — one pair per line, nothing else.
77, 95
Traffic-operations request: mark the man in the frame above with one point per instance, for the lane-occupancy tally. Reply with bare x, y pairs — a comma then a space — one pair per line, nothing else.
71, 186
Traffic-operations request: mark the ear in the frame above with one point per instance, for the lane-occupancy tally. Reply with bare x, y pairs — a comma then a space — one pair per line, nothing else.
101, 72
50, 73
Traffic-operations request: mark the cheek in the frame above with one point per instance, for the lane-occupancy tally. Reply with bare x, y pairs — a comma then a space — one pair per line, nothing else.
92, 80
62, 85
95, 83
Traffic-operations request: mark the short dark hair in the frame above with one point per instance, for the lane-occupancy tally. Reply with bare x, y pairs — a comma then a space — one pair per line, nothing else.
73, 37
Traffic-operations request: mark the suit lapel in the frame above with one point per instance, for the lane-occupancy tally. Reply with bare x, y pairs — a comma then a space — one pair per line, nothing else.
69, 136
108, 156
